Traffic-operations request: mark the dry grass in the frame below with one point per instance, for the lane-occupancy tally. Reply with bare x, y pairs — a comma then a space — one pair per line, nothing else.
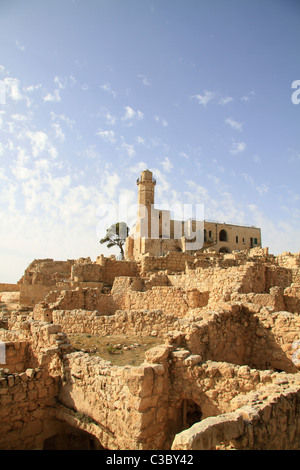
119, 349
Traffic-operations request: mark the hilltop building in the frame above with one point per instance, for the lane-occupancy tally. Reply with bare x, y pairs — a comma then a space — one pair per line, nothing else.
156, 233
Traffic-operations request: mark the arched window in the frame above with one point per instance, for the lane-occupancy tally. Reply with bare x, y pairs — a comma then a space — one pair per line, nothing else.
223, 237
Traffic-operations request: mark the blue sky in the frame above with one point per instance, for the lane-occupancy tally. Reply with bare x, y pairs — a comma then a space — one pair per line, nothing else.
93, 92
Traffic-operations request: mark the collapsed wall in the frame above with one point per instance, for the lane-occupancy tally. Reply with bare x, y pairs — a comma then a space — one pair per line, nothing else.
266, 419
43, 276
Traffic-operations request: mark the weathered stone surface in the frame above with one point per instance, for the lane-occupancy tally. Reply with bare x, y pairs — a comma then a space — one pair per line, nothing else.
157, 355
206, 434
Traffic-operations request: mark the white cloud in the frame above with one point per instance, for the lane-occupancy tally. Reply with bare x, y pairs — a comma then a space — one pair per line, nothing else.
8, 197
109, 183
90, 152
110, 119
184, 155
107, 88
108, 136
226, 100
248, 97
131, 114
205, 98
262, 189
140, 140
129, 148
277, 235
20, 117
58, 133
256, 159
60, 82
21, 172
12, 88
145, 80
32, 88
219, 206
20, 46
214, 179
62, 117
39, 141
161, 121
237, 147
167, 165
53, 97
234, 124
138, 168
247, 178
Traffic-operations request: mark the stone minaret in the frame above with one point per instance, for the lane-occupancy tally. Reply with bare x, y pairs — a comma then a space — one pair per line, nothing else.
146, 184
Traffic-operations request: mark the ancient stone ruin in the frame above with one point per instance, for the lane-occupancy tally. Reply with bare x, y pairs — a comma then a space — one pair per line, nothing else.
182, 351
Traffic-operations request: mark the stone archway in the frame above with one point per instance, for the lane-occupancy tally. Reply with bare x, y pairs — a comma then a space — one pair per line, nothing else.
72, 438
224, 249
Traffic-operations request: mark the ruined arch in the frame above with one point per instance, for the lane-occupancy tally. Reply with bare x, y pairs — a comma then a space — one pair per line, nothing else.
68, 437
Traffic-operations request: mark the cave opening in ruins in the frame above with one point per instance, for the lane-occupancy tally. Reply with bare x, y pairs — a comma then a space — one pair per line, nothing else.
191, 413
71, 438
224, 250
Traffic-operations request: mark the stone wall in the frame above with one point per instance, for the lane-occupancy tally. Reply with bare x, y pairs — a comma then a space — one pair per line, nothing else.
251, 277
173, 261
127, 294
26, 408
46, 342
43, 276
17, 355
267, 419
234, 334
169, 299
104, 271
292, 297
40, 277
140, 322
127, 404
9, 287
274, 300
219, 282
80, 298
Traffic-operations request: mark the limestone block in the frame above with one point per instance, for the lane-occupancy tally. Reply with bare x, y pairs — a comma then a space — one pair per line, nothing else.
211, 431
140, 381
157, 355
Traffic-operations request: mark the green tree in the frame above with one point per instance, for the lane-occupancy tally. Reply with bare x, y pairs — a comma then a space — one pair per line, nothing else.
116, 235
